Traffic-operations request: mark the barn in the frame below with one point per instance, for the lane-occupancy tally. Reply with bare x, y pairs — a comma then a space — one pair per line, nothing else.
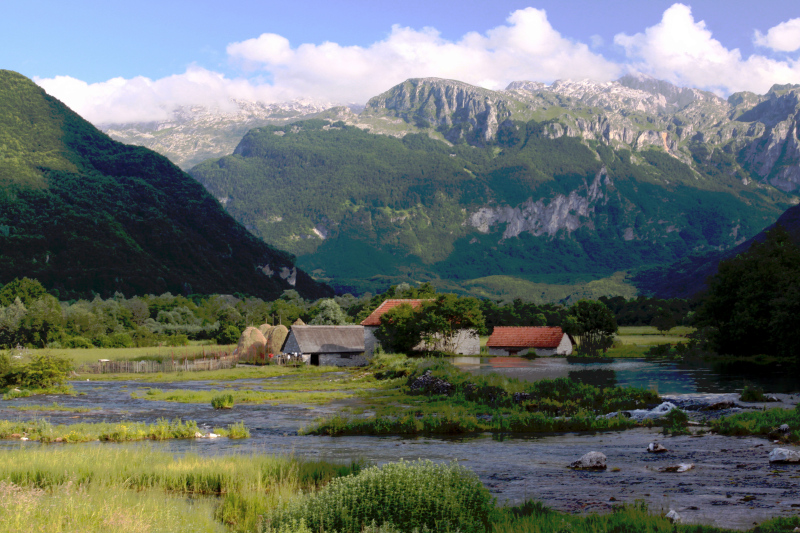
327, 345
542, 341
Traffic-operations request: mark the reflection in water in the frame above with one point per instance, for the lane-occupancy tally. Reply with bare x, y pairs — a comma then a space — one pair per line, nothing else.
660, 375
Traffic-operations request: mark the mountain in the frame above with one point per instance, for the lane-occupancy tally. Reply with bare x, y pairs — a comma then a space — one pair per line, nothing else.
84, 214
687, 277
195, 133
572, 182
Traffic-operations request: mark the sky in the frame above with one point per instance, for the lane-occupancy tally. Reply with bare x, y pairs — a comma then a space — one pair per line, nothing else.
136, 61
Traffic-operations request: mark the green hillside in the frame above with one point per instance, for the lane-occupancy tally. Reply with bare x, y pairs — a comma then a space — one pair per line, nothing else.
363, 210
84, 214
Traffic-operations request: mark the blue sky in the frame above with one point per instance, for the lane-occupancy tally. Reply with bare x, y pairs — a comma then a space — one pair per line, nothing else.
125, 61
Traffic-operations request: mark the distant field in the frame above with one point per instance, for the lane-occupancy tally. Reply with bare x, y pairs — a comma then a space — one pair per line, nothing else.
636, 340
91, 355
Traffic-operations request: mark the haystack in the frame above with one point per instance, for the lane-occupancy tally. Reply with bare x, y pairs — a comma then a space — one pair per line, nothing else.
298, 322
264, 329
277, 336
252, 345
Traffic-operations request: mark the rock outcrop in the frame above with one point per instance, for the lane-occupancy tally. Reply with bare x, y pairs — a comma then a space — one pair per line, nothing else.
590, 461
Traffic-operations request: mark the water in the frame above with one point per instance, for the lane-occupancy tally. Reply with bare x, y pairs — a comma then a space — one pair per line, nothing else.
514, 469
660, 375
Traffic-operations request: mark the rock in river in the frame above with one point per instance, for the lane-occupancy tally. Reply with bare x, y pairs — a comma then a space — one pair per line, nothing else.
783, 455
590, 461
655, 447
682, 467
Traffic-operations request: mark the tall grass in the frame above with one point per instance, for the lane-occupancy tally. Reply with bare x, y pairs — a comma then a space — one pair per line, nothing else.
241, 396
43, 431
764, 423
244, 488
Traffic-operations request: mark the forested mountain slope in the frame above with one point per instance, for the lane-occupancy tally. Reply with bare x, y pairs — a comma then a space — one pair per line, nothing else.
523, 199
85, 214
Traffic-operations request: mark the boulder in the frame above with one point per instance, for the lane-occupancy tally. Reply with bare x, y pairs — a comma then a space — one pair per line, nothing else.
784, 455
682, 467
430, 384
673, 516
252, 345
655, 447
590, 461
784, 428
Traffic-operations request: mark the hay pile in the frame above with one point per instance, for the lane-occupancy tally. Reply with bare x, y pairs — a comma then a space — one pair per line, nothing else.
252, 346
277, 336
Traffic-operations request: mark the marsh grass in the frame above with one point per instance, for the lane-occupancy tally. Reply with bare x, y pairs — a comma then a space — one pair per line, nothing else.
224, 401
240, 396
479, 403
12, 393
80, 356
43, 431
239, 372
236, 490
534, 517
54, 407
765, 423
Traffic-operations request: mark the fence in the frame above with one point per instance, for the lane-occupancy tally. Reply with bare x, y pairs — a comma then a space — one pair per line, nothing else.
154, 367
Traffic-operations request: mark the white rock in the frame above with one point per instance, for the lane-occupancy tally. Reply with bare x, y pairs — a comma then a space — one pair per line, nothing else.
783, 455
212, 436
673, 516
590, 461
198, 435
655, 447
681, 467
24, 438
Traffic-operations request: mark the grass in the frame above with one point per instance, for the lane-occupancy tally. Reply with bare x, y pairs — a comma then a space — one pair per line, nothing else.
634, 341
44, 431
139, 489
240, 396
224, 401
240, 372
81, 356
54, 407
12, 393
431, 396
765, 423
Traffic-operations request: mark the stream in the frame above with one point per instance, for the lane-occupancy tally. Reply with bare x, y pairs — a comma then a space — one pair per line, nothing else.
731, 485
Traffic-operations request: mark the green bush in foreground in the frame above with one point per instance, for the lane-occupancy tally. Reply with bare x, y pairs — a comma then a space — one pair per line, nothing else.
224, 401
405, 495
764, 423
752, 394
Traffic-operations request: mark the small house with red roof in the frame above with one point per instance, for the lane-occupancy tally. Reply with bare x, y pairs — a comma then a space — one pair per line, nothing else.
467, 341
543, 341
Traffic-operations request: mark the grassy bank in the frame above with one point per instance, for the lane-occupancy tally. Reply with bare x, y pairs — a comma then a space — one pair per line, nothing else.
765, 423
240, 372
126, 489
433, 396
241, 396
635, 341
44, 431
80, 356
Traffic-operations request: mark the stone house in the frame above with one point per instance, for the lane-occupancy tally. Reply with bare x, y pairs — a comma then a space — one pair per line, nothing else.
327, 345
542, 341
467, 341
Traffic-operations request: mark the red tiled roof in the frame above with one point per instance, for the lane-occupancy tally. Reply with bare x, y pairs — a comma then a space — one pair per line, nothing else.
374, 319
525, 337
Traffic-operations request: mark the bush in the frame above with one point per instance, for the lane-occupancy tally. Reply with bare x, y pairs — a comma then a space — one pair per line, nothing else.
117, 340
405, 495
228, 335
176, 340
42, 372
222, 402
78, 342
675, 422
752, 394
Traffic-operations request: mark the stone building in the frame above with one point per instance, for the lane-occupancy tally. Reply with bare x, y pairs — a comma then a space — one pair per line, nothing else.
542, 341
327, 345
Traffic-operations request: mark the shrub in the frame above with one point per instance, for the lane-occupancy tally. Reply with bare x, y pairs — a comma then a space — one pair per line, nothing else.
78, 342
675, 422
117, 340
41, 372
222, 402
752, 394
228, 335
405, 495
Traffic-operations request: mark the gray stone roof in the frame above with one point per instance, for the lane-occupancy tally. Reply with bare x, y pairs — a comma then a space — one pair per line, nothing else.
328, 339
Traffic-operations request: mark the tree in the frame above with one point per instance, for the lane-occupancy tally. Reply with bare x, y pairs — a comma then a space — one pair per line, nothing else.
594, 325
442, 319
26, 289
751, 304
329, 314
400, 329
664, 320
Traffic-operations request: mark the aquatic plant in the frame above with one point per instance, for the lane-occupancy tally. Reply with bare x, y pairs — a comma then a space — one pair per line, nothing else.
224, 401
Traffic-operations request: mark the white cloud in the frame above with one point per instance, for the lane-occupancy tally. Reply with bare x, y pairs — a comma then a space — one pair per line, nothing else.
527, 47
683, 51
677, 48
785, 37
